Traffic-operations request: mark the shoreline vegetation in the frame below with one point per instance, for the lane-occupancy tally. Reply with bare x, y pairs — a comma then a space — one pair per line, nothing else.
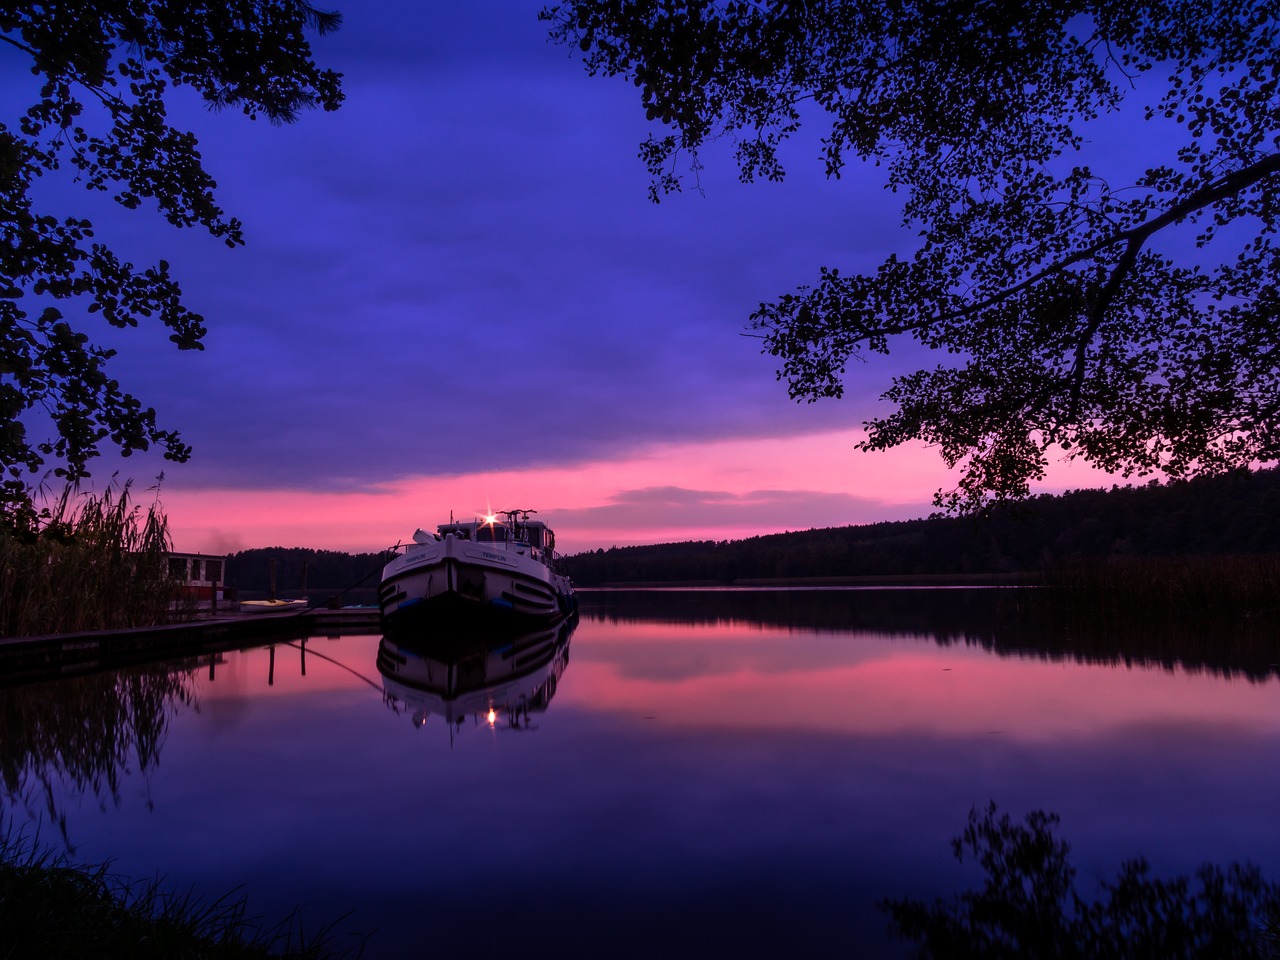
1218, 589
53, 908
1227, 516
1223, 588
1206, 519
1088, 623
87, 561
1205, 551
1014, 578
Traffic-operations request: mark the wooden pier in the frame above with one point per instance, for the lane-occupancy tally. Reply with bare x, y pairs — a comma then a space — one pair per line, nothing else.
28, 659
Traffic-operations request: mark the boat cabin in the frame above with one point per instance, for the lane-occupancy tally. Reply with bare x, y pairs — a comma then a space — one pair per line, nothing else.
533, 532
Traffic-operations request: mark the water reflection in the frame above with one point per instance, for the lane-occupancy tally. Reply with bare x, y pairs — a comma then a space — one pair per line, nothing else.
1029, 905
81, 735
1010, 622
724, 772
502, 681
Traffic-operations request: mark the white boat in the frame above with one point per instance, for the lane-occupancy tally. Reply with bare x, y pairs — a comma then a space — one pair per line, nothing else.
497, 569
272, 606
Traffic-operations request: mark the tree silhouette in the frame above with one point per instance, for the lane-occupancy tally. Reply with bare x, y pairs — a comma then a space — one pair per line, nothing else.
1066, 323
106, 67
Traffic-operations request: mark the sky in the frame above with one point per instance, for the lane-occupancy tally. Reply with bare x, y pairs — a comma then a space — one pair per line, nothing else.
456, 296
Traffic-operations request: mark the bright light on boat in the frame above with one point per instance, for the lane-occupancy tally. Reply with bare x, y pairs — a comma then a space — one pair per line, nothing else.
493, 715
490, 518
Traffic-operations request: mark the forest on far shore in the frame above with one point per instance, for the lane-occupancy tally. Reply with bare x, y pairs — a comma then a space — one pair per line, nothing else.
1238, 513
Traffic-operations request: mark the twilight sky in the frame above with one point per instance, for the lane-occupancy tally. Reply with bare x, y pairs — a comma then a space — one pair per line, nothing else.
456, 295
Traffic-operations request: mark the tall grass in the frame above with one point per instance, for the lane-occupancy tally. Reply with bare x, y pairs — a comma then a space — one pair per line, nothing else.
1229, 588
1217, 613
88, 562
52, 908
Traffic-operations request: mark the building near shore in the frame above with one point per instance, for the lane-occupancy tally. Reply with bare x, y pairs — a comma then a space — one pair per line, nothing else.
201, 575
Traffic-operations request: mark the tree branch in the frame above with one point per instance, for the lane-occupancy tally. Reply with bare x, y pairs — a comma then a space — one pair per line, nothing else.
1227, 186
1134, 239
1096, 313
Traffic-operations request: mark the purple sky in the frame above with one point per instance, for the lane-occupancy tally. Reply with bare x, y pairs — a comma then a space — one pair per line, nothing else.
460, 273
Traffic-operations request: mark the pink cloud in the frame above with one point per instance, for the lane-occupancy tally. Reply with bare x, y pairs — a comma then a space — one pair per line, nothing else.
693, 491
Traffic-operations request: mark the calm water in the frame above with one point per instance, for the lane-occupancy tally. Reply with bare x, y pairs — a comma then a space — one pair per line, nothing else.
743, 772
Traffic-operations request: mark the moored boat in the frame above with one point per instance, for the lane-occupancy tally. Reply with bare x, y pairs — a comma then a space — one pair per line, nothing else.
272, 606
498, 569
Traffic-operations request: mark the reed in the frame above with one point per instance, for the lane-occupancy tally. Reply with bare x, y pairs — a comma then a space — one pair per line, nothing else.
1202, 587
52, 908
87, 562
1220, 614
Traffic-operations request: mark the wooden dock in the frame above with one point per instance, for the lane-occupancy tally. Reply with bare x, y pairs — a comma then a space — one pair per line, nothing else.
28, 659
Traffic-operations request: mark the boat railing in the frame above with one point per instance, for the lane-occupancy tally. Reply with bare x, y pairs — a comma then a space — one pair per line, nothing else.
515, 528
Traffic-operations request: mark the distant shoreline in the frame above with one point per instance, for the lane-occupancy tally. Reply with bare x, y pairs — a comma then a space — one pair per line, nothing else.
1022, 578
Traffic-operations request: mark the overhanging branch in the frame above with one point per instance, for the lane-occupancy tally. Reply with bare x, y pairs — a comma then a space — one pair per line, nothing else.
1133, 239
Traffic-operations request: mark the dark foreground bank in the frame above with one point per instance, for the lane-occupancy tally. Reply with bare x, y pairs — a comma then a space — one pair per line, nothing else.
51, 908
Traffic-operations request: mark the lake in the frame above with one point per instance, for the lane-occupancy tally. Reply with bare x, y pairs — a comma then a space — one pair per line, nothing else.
744, 772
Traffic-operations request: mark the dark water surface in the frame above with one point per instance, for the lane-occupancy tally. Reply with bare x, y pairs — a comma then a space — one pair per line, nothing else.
723, 772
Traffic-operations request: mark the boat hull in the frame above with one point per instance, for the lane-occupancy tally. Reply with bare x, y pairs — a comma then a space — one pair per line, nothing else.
451, 583
272, 606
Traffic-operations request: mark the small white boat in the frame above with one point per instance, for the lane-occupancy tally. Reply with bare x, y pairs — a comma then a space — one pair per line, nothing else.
271, 606
497, 569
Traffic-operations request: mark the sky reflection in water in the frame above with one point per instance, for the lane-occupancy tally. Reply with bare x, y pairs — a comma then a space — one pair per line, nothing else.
697, 782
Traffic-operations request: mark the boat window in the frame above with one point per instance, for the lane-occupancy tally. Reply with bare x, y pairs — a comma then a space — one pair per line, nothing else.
213, 570
178, 568
491, 532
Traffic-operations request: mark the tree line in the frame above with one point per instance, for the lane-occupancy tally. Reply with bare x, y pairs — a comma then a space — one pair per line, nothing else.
1235, 513
1226, 625
1232, 514
299, 569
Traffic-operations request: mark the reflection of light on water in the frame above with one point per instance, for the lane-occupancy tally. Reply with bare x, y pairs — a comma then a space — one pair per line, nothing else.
493, 716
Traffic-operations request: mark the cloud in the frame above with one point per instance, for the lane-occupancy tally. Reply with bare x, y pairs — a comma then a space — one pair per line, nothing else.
662, 509
461, 268
459, 274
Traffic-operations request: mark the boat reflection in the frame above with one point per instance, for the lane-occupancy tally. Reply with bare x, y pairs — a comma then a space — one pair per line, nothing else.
501, 681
